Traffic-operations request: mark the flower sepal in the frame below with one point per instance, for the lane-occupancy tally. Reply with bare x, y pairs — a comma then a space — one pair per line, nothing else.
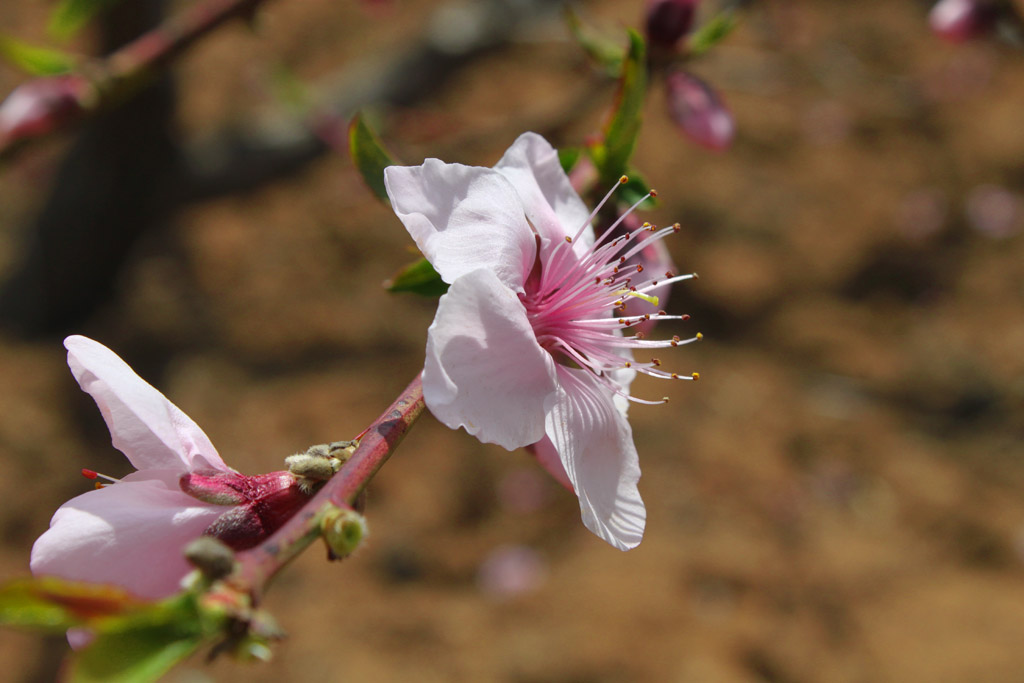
260, 504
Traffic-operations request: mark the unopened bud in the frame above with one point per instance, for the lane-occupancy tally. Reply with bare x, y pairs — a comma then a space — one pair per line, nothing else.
312, 467
41, 106
669, 20
960, 20
344, 530
319, 463
698, 111
211, 557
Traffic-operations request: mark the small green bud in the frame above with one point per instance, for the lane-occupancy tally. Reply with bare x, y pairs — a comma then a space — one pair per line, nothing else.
313, 467
319, 463
343, 530
211, 557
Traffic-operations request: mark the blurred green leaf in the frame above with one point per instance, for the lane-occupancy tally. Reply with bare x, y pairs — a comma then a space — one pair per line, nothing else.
144, 645
419, 278
70, 15
635, 189
369, 155
35, 60
604, 51
711, 32
568, 157
55, 605
288, 89
620, 133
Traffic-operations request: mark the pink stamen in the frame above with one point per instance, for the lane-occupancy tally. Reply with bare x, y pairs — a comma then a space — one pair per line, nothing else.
572, 305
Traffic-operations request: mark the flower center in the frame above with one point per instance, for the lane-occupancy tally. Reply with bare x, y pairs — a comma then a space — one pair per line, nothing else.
576, 302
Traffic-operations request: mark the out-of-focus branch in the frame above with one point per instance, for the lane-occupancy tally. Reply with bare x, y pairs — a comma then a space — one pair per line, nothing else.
126, 173
457, 33
46, 105
258, 565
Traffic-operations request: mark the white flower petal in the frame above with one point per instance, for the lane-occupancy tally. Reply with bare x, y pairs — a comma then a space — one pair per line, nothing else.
131, 533
484, 369
463, 218
150, 430
595, 443
531, 164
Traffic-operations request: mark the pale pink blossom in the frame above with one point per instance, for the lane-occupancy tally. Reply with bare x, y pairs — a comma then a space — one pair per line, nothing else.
131, 532
526, 348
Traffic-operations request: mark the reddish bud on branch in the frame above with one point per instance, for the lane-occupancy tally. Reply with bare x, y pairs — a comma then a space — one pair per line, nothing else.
698, 111
42, 106
667, 21
959, 20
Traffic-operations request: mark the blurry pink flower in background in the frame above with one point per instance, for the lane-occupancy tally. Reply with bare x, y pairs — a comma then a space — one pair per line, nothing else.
527, 346
511, 570
132, 532
697, 109
994, 211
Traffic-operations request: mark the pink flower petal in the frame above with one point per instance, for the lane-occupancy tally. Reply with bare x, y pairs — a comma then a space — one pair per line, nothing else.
150, 430
463, 218
547, 456
484, 369
595, 443
552, 205
131, 533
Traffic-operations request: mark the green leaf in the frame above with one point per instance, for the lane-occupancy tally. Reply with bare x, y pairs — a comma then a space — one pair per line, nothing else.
71, 15
419, 278
369, 155
606, 52
35, 60
55, 605
713, 31
568, 157
623, 127
144, 645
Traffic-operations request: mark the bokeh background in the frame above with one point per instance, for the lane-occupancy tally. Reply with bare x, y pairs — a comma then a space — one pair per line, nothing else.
841, 496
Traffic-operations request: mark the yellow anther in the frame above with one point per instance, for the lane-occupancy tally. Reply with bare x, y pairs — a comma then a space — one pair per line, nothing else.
699, 336
623, 180
696, 376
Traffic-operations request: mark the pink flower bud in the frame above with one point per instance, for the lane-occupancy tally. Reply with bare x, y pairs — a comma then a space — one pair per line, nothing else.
41, 106
669, 20
960, 20
698, 111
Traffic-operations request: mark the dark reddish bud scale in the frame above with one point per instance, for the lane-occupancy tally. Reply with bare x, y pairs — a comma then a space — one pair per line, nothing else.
667, 21
261, 504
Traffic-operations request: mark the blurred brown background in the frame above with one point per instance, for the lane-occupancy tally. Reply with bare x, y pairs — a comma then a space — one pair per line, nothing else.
841, 497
